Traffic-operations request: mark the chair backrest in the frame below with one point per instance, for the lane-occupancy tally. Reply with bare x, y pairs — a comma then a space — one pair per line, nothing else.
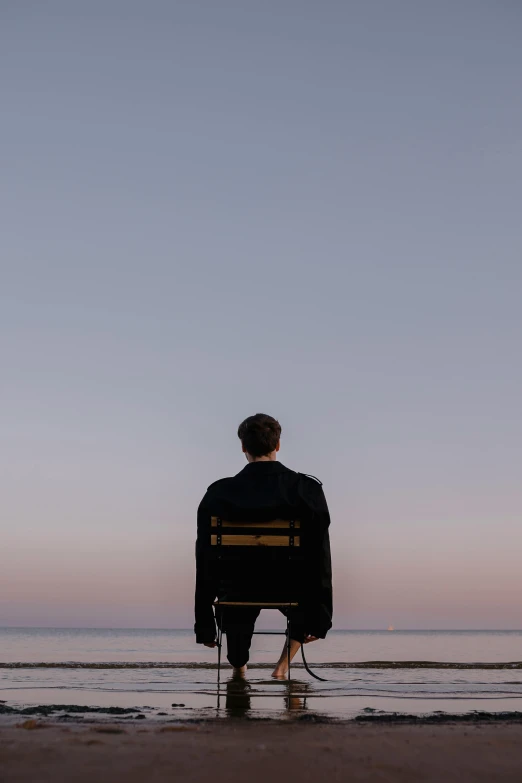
276, 532
258, 560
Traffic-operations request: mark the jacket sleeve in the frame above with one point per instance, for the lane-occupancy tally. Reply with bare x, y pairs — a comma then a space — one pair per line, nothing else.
322, 620
205, 625
319, 608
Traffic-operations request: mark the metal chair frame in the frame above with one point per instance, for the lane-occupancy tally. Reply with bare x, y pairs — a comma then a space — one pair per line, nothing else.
265, 534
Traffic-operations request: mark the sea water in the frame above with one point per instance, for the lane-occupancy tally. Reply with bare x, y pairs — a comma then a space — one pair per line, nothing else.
165, 671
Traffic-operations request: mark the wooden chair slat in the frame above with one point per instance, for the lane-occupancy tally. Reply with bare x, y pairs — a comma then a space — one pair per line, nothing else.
228, 539
280, 523
265, 604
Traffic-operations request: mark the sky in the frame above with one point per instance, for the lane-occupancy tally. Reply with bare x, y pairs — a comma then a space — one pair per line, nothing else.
309, 209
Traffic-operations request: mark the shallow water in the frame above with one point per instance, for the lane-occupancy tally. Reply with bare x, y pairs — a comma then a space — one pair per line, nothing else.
364, 671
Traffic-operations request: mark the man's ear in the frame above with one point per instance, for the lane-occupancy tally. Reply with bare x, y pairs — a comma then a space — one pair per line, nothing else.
278, 445
243, 449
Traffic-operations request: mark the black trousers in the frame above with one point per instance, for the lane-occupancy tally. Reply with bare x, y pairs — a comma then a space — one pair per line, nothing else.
238, 624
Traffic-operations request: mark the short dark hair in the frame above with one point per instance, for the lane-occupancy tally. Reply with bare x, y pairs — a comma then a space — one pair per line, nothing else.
259, 434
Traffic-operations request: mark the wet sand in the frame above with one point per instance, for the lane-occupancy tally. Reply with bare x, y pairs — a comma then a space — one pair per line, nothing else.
41, 751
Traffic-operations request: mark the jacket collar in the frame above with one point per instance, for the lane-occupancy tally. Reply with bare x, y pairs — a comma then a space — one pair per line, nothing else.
270, 467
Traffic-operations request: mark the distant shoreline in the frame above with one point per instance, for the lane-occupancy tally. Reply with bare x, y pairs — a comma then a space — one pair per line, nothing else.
190, 630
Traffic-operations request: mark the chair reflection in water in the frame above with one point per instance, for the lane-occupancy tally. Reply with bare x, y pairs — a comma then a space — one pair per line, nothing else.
239, 692
259, 565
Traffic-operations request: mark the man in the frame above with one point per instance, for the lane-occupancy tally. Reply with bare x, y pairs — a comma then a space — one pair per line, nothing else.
265, 489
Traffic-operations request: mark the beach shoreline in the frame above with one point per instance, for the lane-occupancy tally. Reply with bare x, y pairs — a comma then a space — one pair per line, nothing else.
49, 751
45, 714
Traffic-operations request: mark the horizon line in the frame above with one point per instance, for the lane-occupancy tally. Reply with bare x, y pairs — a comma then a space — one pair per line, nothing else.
190, 630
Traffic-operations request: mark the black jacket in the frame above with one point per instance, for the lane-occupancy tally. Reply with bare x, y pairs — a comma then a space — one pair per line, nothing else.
267, 490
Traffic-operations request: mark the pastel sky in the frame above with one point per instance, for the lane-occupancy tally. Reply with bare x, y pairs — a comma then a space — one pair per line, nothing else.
310, 209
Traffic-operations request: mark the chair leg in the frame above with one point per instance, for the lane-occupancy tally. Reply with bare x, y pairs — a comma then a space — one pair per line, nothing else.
219, 644
288, 630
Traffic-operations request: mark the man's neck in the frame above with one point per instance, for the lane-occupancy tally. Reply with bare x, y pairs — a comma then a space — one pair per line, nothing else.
266, 458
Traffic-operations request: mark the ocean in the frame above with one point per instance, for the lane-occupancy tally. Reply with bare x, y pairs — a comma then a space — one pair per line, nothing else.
164, 674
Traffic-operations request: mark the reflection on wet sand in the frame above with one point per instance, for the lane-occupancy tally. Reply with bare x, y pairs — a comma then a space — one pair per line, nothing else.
296, 695
238, 696
237, 701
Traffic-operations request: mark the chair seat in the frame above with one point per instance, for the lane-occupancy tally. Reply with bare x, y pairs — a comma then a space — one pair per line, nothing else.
262, 604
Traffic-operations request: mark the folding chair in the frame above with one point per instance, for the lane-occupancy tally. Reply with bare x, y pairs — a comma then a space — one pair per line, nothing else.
259, 564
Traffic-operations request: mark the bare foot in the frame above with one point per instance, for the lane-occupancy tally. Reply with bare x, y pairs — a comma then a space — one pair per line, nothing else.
281, 669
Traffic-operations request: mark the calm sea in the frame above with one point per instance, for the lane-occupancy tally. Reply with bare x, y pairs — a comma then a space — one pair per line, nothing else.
165, 671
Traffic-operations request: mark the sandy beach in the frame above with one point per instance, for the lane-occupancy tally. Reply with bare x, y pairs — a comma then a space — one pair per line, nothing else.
36, 751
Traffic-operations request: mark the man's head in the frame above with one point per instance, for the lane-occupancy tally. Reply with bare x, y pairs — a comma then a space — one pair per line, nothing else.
259, 437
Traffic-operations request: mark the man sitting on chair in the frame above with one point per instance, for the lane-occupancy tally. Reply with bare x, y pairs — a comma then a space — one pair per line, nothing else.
265, 488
